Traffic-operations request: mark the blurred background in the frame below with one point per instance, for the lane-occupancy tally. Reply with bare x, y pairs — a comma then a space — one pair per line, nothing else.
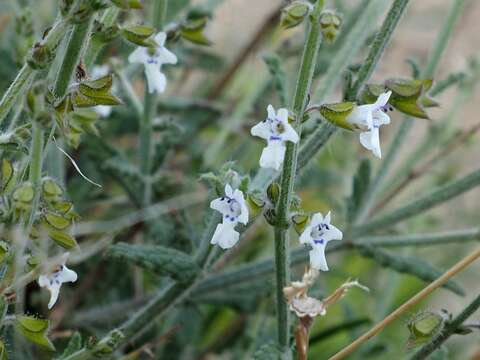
214, 96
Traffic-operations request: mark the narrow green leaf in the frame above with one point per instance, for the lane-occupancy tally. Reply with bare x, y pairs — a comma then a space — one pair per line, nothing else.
159, 259
408, 265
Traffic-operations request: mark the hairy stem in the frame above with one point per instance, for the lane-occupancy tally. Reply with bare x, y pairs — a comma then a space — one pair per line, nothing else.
76, 42
282, 264
462, 264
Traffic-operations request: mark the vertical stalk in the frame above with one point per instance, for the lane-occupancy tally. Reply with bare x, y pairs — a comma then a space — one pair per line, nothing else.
35, 172
146, 131
282, 264
76, 43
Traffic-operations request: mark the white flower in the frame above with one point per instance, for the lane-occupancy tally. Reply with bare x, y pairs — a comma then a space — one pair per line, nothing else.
371, 117
97, 72
276, 130
153, 59
54, 280
317, 234
234, 210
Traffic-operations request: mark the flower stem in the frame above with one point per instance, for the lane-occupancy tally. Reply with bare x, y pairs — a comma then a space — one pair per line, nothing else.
150, 103
282, 264
462, 264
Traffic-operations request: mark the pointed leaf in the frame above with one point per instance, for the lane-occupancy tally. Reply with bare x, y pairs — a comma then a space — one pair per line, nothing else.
159, 259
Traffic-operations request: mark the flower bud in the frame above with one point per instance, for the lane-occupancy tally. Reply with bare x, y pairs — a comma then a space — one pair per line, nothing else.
295, 13
271, 216
273, 192
39, 57
330, 24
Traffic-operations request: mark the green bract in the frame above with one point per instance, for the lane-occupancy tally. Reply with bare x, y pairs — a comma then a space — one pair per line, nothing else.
408, 95
139, 35
193, 31
35, 330
338, 113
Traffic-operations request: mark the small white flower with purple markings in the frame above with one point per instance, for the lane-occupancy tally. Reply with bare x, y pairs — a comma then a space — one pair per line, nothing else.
371, 117
234, 210
153, 59
277, 131
317, 234
54, 280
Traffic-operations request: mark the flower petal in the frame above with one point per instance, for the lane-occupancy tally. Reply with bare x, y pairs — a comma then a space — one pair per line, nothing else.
156, 80
67, 275
382, 100
225, 236
139, 55
272, 156
262, 130
165, 56
371, 141
306, 237
317, 258
228, 191
289, 133
317, 219
54, 292
271, 112
282, 115
160, 38
238, 196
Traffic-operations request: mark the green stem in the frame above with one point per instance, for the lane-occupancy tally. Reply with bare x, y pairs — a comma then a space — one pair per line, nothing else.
282, 250
76, 43
434, 198
35, 172
149, 108
448, 331
422, 239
